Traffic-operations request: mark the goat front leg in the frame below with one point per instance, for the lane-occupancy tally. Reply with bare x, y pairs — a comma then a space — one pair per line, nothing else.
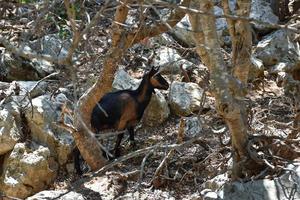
131, 137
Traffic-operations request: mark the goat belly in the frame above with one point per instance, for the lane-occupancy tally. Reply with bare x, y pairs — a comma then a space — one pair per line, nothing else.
119, 108
106, 113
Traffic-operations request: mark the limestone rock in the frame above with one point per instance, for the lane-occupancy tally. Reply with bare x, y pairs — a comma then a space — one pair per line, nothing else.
105, 187
276, 189
162, 39
256, 69
26, 170
10, 127
185, 98
41, 121
217, 182
36, 89
51, 45
157, 111
261, 10
57, 194
192, 126
278, 47
210, 196
197, 74
221, 23
15, 68
281, 67
109, 186
170, 61
124, 81
183, 31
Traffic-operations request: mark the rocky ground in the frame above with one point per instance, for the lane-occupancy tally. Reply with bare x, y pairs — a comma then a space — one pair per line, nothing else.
36, 154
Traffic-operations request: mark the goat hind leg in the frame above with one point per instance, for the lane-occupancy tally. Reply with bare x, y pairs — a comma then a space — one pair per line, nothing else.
117, 145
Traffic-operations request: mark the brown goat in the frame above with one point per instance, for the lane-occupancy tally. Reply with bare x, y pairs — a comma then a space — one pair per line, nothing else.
123, 109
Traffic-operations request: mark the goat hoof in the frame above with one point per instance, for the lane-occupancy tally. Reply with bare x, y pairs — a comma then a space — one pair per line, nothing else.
132, 144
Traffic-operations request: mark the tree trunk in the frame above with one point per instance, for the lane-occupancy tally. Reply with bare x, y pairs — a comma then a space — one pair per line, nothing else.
198, 34
241, 37
85, 141
231, 109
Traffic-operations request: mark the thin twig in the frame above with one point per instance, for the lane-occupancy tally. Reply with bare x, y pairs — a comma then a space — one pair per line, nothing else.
158, 171
143, 167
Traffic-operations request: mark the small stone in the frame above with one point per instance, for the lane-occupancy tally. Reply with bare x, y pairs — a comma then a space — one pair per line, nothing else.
57, 194
210, 196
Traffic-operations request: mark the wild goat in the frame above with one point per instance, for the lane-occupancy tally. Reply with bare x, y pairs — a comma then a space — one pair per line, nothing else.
123, 109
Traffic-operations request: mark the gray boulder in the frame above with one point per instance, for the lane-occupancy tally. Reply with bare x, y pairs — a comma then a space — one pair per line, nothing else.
256, 69
185, 98
104, 187
20, 91
221, 25
282, 188
10, 131
210, 195
281, 67
183, 31
217, 182
162, 39
15, 68
109, 186
278, 47
170, 61
261, 10
124, 81
28, 169
51, 45
35, 88
157, 110
42, 118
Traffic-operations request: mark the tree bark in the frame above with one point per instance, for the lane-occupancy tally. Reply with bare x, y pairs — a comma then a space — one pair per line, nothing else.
241, 37
198, 34
231, 109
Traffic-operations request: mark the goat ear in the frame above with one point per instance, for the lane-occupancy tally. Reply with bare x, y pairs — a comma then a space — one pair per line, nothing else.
153, 71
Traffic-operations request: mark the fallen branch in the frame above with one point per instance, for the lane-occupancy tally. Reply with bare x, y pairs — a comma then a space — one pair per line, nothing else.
156, 180
143, 166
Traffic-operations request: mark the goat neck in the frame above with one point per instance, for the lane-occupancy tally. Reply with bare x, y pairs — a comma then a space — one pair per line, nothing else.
145, 90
